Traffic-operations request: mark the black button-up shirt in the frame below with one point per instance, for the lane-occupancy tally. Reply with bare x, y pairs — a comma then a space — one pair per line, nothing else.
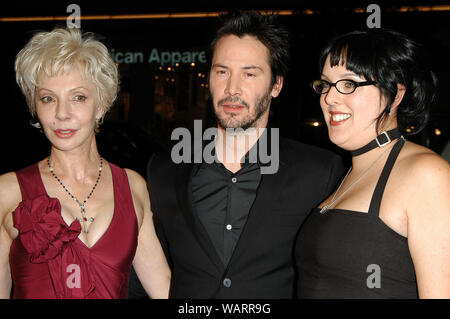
223, 199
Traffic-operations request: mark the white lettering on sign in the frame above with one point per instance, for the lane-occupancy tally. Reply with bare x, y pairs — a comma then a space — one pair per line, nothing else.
161, 58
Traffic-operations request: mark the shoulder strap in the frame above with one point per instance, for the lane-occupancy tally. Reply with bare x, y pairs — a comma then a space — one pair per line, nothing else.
30, 182
122, 190
375, 203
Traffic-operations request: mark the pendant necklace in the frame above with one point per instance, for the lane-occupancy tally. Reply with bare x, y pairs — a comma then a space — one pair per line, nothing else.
84, 219
324, 209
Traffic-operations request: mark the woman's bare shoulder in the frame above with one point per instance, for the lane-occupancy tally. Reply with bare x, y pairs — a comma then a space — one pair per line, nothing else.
137, 182
138, 187
424, 177
422, 163
10, 195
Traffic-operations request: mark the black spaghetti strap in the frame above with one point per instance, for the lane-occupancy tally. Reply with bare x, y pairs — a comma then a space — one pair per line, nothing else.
375, 202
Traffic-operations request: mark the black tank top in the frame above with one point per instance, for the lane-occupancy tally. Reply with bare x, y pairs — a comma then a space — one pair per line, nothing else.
349, 254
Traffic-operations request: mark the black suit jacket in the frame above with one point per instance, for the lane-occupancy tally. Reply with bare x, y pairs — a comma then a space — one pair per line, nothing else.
262, 264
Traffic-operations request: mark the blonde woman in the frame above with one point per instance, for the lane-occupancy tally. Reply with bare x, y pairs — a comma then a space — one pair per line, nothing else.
73, 224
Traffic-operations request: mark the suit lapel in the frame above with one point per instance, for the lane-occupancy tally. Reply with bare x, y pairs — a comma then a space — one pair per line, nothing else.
185, 200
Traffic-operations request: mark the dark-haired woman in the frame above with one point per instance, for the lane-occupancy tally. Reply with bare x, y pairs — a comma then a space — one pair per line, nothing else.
384, 232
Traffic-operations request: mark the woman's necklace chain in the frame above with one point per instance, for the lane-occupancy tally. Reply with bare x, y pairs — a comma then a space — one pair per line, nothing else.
84, 220
334, 199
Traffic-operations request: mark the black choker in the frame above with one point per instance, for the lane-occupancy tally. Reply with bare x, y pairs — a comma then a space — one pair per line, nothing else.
381, 140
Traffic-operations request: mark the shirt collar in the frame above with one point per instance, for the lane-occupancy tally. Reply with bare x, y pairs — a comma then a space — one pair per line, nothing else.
251, 157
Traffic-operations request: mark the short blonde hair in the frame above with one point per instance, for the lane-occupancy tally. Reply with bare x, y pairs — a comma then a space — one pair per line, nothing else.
62, 49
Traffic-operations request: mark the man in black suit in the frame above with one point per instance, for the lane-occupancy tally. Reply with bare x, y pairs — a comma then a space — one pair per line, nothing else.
227, 222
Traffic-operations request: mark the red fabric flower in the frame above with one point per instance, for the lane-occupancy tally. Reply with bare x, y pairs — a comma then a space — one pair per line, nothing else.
43, 231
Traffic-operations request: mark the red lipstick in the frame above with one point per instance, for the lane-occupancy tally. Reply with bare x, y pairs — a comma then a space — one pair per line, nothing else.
64, 133
338, 118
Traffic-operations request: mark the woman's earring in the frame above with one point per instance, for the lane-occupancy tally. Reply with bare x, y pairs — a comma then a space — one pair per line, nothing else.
34, 122
98, 122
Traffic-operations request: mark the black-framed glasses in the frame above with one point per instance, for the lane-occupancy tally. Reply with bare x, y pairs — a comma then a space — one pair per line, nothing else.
343, 86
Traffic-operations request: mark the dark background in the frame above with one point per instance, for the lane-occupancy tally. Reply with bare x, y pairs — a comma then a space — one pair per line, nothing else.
154, 101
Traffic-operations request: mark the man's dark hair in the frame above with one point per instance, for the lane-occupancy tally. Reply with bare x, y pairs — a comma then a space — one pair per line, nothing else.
263, 27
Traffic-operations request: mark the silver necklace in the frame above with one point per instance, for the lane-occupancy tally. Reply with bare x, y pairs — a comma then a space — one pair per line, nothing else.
333, 199
84, 219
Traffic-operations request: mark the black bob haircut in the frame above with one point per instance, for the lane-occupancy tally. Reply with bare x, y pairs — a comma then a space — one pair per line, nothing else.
389, 58
265, 28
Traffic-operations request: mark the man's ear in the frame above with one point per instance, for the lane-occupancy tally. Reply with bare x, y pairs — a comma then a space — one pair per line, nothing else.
277, 86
